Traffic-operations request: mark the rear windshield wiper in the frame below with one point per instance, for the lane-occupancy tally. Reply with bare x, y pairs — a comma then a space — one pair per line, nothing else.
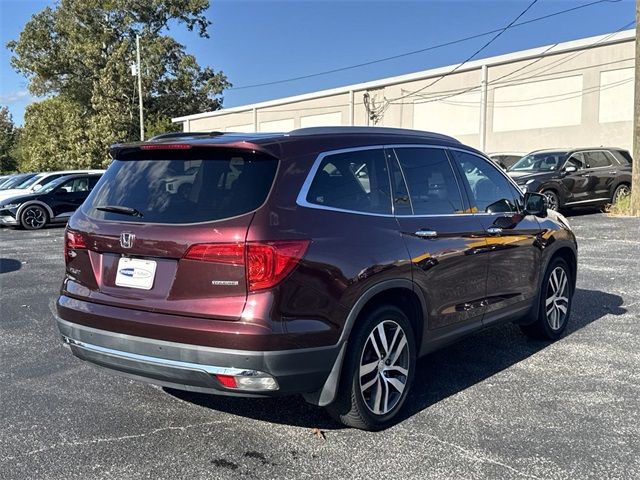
120, 209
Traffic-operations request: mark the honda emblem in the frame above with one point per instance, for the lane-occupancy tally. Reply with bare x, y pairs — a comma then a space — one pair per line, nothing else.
126, 240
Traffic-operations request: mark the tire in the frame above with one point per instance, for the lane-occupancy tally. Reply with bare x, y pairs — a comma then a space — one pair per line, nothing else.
553, 202
34, 217
555, 303
620, 191
387, 375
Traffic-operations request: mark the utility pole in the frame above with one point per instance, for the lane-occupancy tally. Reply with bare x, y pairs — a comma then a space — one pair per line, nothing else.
483, 108
139, 72
635, 175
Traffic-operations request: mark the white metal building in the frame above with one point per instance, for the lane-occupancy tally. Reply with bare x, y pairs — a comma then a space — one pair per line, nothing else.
577, 93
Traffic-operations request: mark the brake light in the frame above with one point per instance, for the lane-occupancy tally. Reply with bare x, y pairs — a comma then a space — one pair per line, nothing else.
73, 241
266, 263
166, 146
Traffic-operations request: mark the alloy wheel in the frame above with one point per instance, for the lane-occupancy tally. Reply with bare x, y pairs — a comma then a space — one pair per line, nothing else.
557, 302
552, 200
384, 367
621, 191
34, 218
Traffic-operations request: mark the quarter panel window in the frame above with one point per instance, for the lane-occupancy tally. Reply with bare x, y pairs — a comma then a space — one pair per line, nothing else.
432, 184
356, 180
489, 189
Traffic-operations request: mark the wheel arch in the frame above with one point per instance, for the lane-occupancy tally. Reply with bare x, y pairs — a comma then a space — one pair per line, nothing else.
569, 255
34, 202
624, 182
402, 293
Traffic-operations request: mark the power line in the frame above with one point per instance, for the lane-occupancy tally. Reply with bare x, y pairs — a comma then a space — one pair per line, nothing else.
415, 52
429, 96
457, 67
433, 97
534, 100
546, 68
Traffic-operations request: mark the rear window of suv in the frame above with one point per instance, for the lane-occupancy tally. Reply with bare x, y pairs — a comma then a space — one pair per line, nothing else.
182, 191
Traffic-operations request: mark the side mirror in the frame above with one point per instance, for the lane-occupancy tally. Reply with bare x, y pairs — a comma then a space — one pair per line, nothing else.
570, 168
62, 191
535, 204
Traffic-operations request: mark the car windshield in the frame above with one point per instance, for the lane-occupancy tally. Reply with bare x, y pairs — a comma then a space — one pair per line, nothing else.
13, 182
539, 162
47, 187
29, 182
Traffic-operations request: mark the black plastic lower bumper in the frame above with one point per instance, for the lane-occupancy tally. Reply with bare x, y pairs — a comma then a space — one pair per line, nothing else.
193, 368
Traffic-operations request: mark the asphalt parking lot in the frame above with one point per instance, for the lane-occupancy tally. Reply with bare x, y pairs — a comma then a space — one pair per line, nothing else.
496, 405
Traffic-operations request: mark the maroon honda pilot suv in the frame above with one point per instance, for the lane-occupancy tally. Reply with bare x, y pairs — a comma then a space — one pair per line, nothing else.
321, 262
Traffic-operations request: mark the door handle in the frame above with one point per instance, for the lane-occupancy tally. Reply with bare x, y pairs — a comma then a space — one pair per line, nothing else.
426, 233
494, 230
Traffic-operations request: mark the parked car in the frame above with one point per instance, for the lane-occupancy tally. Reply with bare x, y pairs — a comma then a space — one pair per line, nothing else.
506, 159
38, 181
14, 180
575, 177
321, 262
54, 203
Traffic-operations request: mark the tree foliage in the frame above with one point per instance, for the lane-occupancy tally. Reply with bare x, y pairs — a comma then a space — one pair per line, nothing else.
78, 55
8, 135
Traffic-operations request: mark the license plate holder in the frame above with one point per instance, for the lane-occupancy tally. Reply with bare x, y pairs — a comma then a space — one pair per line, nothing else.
136, 273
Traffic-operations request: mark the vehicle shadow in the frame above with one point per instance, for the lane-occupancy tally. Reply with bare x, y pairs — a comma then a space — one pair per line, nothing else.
439, 375
9, 265
582, 211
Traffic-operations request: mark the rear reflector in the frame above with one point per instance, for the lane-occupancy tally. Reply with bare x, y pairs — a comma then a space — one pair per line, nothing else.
73, 241
266, 263
227, 381
166, 146
248, 380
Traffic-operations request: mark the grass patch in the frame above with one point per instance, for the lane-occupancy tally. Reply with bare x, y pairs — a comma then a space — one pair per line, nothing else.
622, 208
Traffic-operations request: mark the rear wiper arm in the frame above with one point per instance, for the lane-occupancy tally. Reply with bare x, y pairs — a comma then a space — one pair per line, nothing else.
120, 209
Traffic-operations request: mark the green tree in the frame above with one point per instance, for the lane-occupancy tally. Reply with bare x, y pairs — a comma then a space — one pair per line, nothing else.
55, 137
78, 54
8, 135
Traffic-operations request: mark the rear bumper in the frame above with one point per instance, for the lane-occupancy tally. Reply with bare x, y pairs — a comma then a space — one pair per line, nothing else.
192, 367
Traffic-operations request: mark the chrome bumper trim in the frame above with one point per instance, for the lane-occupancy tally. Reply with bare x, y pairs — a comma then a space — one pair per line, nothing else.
164, 362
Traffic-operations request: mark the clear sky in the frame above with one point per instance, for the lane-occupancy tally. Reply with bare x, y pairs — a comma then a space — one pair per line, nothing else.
263, 41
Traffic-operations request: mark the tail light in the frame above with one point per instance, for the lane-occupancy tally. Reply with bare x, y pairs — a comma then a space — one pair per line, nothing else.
73, 241
269, 263
266, 263
228, 253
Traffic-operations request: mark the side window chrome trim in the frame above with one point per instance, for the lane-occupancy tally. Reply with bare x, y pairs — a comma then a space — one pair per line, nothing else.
301, 199
607, 155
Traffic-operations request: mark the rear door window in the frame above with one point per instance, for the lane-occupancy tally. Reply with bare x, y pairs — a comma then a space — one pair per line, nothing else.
182, 191
356, 180
597, 160
433, 189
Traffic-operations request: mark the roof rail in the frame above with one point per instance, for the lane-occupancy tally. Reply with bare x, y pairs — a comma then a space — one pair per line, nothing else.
173, 135
370, 130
